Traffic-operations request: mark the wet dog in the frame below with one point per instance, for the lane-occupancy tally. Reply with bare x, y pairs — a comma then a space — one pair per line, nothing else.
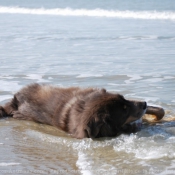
90, 112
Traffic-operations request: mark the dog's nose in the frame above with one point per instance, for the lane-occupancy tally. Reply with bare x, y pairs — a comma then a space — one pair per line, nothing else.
144, 105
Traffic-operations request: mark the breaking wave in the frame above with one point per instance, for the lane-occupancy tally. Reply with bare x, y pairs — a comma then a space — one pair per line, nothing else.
164, 15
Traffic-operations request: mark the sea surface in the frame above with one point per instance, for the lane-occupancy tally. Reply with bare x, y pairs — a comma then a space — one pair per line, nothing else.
127, 47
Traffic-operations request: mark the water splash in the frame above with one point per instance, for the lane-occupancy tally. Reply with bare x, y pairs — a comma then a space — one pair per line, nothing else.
164, 15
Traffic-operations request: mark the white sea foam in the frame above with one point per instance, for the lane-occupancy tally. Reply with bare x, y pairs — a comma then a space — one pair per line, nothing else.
82, 164
133, 78
5, 97
149, 144
78, 145
9, 86
37, 78
169, 77
164, 15
113, 84
153, 80
89, 75
149, 147
145, 148
9, 164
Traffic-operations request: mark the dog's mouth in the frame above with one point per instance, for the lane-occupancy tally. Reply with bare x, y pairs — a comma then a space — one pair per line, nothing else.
138, 123
133, 124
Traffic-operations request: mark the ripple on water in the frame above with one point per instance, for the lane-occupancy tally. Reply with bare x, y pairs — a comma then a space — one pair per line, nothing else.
9, 164
151, 143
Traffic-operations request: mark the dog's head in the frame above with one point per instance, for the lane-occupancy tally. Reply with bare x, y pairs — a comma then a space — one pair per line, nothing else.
106, 114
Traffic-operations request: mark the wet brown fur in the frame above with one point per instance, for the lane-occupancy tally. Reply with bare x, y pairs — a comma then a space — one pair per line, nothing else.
81, 112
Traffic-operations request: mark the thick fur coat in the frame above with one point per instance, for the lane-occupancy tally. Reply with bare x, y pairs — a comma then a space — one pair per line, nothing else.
83, 113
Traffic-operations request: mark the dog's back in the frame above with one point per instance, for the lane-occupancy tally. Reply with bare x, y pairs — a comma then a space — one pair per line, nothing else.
50, 105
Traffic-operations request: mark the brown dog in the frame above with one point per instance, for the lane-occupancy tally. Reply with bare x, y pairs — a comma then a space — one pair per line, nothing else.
81, 112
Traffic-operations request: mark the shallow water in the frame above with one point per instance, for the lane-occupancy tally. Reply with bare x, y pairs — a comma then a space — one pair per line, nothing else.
131, 52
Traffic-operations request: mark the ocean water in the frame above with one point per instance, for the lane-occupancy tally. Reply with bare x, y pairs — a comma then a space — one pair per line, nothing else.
127, 47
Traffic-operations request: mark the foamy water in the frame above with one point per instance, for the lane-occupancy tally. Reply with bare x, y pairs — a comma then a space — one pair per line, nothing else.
146, 146
126, 47
9, 164
166, 15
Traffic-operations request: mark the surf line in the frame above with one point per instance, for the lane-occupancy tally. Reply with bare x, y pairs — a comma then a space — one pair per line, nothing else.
164, 15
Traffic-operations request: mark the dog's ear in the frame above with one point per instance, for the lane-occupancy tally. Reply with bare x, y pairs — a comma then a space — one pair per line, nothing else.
89, 130
93, 128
